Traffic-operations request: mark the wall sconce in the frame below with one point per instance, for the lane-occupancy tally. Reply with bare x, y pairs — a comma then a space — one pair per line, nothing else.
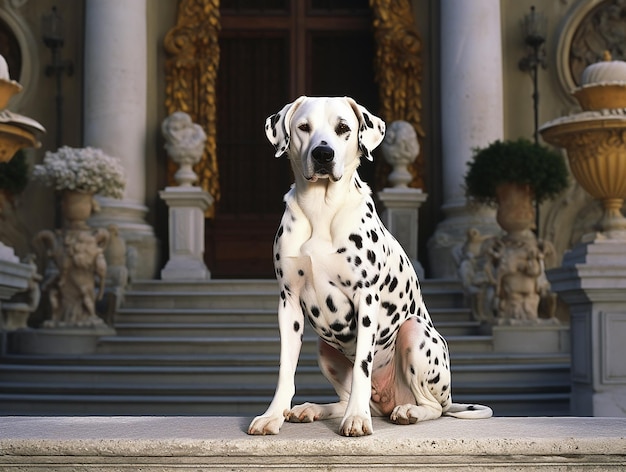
52, 33
534, 29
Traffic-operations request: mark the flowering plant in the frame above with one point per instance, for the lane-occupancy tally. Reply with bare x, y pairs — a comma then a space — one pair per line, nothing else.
85, 169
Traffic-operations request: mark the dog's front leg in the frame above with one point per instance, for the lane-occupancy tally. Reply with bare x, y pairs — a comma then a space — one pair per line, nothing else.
291, 326
357, 420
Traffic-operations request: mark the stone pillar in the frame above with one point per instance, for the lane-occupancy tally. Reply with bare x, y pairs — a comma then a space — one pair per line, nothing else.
115, 117
471, 114
592, 281
400, 217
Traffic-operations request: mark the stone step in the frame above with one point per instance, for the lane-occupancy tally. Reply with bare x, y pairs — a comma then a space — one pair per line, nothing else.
252, 294
213, 329
244, 344
518, 377
232, 402
160, 359
169, 443
246, 315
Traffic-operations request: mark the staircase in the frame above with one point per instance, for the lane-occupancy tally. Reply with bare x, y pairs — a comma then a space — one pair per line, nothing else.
211, 348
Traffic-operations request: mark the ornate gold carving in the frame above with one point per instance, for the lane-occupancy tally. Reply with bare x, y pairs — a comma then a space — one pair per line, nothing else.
398, 67
603, 28
596, 150
190, 75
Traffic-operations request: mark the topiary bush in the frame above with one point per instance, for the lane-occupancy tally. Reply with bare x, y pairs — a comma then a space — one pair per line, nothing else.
519, 161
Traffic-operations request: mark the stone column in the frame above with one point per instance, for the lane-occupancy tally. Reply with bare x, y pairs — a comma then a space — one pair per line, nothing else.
115, 117
471, 114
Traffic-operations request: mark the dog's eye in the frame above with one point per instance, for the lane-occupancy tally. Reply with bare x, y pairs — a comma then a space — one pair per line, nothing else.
304, 127
342, 128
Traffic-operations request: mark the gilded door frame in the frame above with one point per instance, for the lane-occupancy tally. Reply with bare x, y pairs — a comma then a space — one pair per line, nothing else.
191, 69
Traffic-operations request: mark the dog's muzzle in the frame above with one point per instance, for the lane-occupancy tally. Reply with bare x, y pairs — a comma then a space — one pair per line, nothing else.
323, 159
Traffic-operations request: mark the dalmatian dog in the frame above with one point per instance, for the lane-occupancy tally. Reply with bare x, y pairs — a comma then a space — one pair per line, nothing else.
338, 267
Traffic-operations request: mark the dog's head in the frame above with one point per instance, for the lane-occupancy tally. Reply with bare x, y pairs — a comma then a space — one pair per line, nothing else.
324, 136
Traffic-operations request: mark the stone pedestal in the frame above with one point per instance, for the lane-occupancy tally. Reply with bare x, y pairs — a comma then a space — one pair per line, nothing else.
531, 339
592, 281
401, 218
14, 278
186, 233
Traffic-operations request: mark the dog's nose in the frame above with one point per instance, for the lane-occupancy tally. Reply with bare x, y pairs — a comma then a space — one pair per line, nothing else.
323, 154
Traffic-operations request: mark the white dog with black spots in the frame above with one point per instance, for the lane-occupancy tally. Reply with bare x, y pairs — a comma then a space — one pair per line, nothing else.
339, 267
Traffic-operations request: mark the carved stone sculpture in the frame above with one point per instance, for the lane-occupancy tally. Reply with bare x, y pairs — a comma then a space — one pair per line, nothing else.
504, 278
79, 259
184, 144
400, 148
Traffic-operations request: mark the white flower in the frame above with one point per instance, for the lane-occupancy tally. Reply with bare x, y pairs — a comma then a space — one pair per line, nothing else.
87, 169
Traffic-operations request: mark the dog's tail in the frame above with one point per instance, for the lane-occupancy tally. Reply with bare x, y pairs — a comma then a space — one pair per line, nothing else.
468, 411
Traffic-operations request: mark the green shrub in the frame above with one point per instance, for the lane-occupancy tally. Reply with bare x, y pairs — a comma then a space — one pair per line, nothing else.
520, 162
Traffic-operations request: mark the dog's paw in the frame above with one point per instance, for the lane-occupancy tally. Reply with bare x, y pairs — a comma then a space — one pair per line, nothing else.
356, 426
409, 413
305, 413
403, 414
262, 425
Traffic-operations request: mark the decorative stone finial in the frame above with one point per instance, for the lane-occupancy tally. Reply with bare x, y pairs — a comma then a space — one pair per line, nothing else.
400, 148
184, 144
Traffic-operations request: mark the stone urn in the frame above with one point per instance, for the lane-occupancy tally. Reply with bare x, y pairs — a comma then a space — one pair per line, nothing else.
595, 140
516, 212
76, 207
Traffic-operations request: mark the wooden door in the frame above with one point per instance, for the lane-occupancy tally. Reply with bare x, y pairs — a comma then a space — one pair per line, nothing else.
271, 52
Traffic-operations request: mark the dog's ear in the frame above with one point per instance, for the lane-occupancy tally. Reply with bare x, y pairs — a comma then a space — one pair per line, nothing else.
371, 129
277, 127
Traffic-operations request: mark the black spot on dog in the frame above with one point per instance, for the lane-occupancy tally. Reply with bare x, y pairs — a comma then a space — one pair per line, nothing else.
374, 235
300, 272
365, 368
273, 120
371, 256
357, 240
368, 299
390, 307
337, 326
296, 326
393, 284
357, 261
341, 250
330, 304
367, 322
315, 311
368, 122
344, 338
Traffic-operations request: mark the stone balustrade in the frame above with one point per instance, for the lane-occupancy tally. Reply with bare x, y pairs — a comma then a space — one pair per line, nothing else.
220, 443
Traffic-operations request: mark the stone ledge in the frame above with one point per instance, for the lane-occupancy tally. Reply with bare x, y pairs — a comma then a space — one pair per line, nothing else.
220, 443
